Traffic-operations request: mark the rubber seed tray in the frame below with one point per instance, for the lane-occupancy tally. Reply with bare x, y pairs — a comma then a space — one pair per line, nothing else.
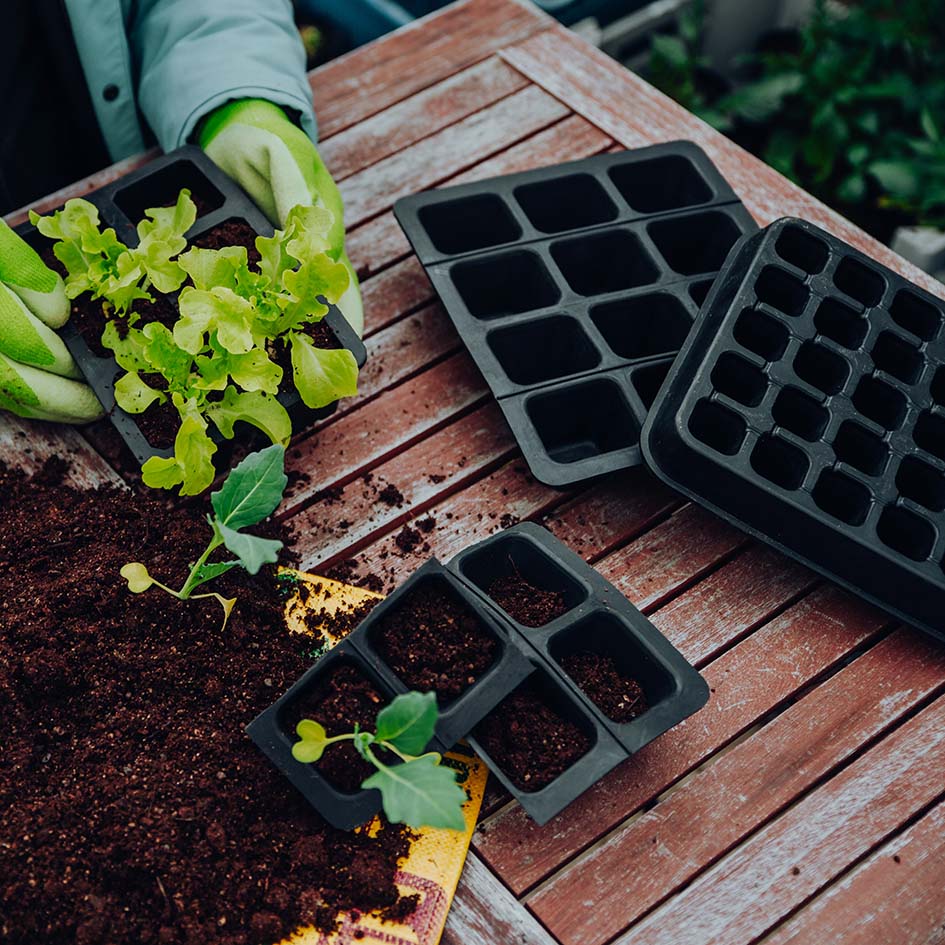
219, 200
574, 286
808, 408
597, 618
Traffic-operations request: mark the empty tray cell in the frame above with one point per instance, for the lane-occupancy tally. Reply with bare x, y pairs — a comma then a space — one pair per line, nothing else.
525, 581
861, 448
162, 188
642, 326
543, 350
565, 203
859, 281
434, 640
718, 427
929, 434
583, 420
695, 244
801, 414
536, 733
881, 403
604, 262
736, 378
647, 382
821, 367
840, 323
937, 388
905, 532
699, 290
801, 249
915, 315
513, 282
842, 497
897, 357
469, 223
761, 333
922, 483
781, 290
611, 667
779, 462
665, 183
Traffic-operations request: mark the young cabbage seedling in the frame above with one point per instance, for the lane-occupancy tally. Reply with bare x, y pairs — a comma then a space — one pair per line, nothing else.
420, 792
252, 491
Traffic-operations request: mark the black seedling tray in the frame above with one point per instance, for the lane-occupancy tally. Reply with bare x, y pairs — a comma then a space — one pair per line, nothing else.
808, 408
598, 618
573, 288
219, 200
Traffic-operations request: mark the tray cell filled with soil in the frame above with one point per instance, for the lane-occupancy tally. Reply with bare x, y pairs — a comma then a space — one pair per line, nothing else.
161, 187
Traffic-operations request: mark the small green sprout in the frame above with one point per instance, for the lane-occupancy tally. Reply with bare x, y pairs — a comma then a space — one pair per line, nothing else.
251, 492
420, 792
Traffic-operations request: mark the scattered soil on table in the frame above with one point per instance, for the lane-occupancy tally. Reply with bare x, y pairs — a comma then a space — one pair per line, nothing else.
531, 606
529, 740
433, 640
133, 807
619, 697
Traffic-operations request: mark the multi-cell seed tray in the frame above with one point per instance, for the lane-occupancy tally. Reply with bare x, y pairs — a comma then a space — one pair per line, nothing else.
219, 200
573, 288
808, 407
598, 618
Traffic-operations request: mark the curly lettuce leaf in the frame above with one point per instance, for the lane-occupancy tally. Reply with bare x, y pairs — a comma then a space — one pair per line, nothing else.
218, 310
254, 407
322, 375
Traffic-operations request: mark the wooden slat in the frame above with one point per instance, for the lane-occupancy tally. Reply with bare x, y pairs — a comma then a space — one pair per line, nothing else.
894, 896
641, 864
751, 889
760, 673
636, 114
367, 80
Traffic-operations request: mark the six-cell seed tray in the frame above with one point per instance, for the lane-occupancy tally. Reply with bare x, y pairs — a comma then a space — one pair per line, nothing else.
573, 288
808, 407
595, 618
219, 201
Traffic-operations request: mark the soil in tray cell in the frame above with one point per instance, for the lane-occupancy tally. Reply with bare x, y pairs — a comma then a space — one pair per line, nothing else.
529, 605
529, 736
434, 640
618, 696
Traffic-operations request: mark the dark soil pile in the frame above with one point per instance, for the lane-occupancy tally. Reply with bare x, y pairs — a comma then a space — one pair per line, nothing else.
618, 696
531, 606
133, 807
435, 641
529, 740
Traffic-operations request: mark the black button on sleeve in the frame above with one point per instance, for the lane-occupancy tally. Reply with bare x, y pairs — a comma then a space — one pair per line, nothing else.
110, 92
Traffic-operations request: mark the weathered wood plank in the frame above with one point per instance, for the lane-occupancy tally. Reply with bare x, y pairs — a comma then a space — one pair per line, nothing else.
577, 73
760, 673
651, 857
777, 869
894, 896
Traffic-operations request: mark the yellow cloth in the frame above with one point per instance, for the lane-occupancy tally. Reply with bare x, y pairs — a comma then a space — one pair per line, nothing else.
436, 857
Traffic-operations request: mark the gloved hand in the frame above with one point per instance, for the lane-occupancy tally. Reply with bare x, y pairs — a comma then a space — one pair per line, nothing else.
38, 377
277, 164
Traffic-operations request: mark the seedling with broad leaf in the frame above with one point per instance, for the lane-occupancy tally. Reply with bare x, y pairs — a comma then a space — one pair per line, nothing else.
418, 791
252, 491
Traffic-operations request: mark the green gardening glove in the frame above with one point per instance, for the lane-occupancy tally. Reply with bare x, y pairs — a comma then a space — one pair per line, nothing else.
38, 377
276, 163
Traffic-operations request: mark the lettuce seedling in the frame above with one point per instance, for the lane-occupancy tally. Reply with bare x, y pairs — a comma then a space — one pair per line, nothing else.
251, 492
419, 792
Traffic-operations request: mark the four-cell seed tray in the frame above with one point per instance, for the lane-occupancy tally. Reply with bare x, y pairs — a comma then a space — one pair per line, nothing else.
573, 288
808, 407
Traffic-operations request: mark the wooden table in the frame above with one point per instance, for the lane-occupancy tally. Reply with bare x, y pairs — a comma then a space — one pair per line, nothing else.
805, 803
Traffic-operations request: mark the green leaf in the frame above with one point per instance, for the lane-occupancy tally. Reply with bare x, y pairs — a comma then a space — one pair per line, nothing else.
208, 572
322, 375
191, 466
852, 189
136, 574
899, 178
261, 410
252, 550
408, 722
129, 351
420, 793
312, 741
759, 101
670, 48
253, 489
133, 395
928, 125
213, 267
219, 309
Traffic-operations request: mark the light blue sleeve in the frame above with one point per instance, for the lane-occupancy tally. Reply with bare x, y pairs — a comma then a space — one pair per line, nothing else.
195, 55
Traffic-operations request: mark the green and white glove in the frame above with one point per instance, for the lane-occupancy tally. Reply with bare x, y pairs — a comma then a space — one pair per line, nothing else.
276, 163
38, 377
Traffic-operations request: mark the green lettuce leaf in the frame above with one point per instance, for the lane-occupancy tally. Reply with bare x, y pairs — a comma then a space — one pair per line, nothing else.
322, 375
